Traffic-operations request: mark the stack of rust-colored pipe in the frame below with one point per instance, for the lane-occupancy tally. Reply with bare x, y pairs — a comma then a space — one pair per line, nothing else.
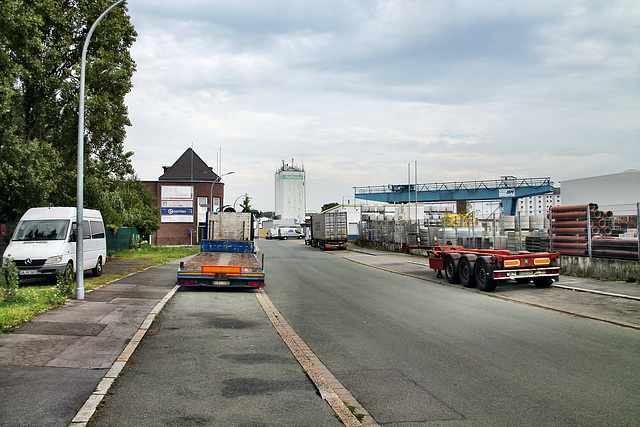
614, 247
569, 227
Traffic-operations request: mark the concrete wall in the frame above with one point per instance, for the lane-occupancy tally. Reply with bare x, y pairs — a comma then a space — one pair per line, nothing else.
600, 268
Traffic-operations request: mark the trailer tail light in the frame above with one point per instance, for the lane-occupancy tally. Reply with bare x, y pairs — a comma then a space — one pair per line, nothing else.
255, 284
511, 262
186, 282
541, 261
497, 275
212, 269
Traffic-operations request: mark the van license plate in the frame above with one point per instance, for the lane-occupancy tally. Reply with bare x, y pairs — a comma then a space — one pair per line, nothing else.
27, 272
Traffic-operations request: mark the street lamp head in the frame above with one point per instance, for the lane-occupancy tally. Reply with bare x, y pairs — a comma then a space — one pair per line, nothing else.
217, 180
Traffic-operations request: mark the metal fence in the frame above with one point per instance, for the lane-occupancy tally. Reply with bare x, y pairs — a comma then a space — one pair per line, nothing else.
613, 231
120, 238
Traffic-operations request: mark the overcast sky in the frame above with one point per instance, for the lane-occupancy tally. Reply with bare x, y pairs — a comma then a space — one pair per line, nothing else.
357, 90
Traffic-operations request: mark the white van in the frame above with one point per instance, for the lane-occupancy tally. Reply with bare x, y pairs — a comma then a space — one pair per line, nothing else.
285, 233
272, 233
44, 242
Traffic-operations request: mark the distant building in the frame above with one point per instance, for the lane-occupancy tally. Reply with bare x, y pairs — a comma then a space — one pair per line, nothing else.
290, 192
539, 205
620, 191
184, 194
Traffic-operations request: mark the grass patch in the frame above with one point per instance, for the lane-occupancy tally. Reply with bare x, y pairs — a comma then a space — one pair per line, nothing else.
34, 296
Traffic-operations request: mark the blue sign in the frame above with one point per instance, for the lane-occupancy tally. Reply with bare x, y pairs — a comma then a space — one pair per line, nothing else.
177, 211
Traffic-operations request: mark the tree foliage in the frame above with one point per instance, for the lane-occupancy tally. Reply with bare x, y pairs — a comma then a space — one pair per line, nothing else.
40, 50
126, 204
246, 205
327, 206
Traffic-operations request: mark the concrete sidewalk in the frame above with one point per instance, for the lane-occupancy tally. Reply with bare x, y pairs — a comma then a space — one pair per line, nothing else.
609, 301
52, 364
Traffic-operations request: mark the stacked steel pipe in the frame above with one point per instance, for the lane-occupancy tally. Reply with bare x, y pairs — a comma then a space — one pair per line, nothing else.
572, 226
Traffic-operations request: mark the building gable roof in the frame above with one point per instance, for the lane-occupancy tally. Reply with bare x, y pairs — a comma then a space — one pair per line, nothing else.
189, 167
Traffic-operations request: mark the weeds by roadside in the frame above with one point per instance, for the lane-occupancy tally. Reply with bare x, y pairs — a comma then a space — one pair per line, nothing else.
20, 302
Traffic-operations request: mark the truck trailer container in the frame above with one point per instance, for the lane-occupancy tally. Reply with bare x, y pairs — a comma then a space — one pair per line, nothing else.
228, 257
329, 230
485, 268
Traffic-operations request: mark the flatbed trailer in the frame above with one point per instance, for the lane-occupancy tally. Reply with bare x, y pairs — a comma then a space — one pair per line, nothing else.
229, 259
485, 268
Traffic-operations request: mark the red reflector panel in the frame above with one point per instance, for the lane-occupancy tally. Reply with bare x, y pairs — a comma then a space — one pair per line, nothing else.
211, 269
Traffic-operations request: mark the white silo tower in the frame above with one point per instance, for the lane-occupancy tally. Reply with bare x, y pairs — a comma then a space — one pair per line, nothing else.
291, 200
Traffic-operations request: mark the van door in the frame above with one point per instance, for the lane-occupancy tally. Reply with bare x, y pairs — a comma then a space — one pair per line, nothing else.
89, 257
99, 242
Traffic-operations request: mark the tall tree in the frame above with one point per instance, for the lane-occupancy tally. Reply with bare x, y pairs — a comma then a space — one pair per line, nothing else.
40, 48
246, 205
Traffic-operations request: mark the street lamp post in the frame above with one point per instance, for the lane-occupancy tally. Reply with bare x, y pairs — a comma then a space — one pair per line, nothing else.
80, 166
217, 180
238, 198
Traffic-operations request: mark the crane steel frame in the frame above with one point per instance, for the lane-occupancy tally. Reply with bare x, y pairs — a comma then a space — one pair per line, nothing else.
508, 189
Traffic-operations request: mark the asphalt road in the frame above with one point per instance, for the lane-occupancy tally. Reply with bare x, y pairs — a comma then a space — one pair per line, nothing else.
419, 353
213, 358
413, 352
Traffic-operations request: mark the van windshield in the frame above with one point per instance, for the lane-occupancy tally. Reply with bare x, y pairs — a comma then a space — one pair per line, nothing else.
52, 229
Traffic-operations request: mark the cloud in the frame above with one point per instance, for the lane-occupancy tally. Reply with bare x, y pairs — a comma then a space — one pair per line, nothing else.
357, 90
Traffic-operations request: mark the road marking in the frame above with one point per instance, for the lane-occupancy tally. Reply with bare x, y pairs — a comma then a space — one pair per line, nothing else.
593, 291
330, 389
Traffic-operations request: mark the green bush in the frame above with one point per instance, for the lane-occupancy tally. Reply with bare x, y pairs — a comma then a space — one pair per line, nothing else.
136, 242
63, 289
11, 282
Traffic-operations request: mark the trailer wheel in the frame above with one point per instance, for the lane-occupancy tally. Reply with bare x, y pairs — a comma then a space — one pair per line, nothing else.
483, 275
542, 282
466, 272
451, 269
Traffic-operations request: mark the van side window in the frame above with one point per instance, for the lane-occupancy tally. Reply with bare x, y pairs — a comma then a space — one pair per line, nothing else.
97, 230
86, 231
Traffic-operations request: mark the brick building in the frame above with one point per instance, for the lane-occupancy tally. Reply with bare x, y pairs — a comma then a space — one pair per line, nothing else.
184, 193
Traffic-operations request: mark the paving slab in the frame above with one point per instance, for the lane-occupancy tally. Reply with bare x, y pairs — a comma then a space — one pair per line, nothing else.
52, 364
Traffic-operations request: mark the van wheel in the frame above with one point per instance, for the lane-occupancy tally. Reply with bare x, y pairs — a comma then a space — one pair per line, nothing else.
97, 270
68, 272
